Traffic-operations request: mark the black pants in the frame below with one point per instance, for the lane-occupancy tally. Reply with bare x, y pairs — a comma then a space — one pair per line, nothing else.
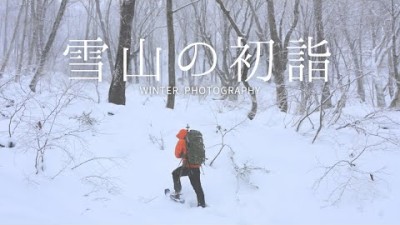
194, 177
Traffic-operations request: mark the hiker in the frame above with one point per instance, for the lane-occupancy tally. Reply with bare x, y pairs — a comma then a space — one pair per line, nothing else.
187, 169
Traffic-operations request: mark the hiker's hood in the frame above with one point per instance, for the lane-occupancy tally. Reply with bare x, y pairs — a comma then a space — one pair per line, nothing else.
182, 134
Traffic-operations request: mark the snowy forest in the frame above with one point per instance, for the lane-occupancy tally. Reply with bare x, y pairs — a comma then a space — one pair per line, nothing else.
297, 101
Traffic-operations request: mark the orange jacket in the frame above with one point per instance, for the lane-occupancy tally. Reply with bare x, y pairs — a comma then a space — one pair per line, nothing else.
180, 149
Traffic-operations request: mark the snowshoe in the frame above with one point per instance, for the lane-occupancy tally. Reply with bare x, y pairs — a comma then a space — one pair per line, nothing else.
176, 197
201, 205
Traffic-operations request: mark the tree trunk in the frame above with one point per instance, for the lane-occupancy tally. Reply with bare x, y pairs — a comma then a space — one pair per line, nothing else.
396, 100
395, 57
21, 59
377, 76
171, 56
46, 50
89, 21
325, 97
391, 78
245, 69
280, 53
42, 9
378, 54
357, 64
360, 79
380, 95
5, 31
9, 50
281, 92
105, 35
33, 38
116, 93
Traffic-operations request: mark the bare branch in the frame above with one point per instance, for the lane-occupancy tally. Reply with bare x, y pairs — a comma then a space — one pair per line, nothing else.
184, 6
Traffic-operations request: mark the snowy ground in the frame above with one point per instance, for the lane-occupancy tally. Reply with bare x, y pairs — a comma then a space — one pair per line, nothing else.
125, 184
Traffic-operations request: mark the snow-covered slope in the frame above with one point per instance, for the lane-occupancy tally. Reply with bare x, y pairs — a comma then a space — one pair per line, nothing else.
118, 174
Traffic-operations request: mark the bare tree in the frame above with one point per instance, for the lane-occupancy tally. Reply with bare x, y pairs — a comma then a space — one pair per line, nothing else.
171, 55
356, 55
280, 52
378, 53
33, 38
46, 50
116, 93
41, 11
105, 34
38, 11
10, 46
223, 72
395, 14
245, 69
325, 97
5, 30
22, 44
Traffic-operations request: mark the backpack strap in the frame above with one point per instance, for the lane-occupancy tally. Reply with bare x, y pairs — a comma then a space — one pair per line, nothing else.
187, 147
187, 152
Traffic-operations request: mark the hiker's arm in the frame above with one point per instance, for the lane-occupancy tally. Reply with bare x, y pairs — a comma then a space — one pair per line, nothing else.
179, 148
